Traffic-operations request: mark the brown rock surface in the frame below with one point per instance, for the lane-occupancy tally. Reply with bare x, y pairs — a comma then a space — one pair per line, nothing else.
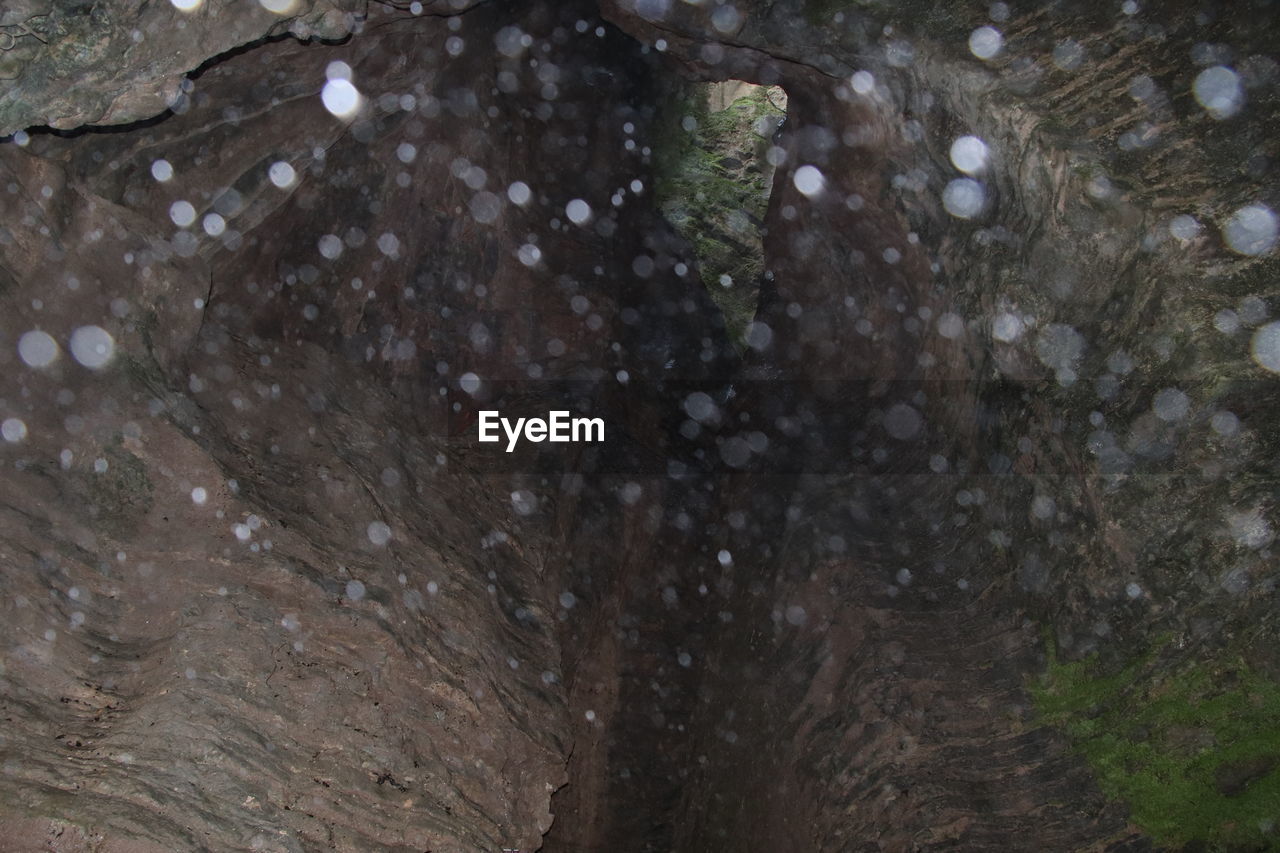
255, 597
68, 63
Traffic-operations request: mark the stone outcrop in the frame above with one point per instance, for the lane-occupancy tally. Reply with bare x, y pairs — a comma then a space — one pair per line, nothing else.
68, 63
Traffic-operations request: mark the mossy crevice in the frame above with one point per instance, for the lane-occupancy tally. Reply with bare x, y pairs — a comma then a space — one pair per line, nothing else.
1193, 749
713, 182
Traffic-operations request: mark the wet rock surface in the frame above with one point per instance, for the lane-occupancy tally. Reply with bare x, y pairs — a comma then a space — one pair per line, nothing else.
68, 63
972, 547
256, 598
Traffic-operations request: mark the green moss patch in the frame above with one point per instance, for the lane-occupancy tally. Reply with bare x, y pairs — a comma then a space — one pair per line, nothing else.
1194, 751
713, 186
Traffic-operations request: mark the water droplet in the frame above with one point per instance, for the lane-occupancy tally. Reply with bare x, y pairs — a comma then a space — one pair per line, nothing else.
1068, 55
485, 207
950, 325
903, 422
379, 533
963, 198
182, 213
524, 501
1252, 310
1225, 424
282, 174
519, 193
92, 346
1007, 327
330, 245
701, 407
1060, 347
809, 180
214, 225
1251, 230
1043, 507
1171, 405
13, 430
1266, 347
161, 170
389, 245
37, 349
340, 97
529, 254
1184, 227
1250, 529
1219, 91
969, 154
578, 211
758, 335
985, 42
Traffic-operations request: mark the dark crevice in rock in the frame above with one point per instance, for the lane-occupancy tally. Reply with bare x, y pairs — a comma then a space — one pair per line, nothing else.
714, 160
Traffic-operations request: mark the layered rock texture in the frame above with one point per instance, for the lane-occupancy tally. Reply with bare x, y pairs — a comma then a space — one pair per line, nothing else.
962, 538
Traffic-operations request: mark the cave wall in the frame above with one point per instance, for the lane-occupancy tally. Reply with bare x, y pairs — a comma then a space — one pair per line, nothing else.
256, 597
1082, 470
264, 591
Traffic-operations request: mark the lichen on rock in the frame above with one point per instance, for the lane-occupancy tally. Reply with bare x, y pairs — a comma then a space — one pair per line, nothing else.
1190, 744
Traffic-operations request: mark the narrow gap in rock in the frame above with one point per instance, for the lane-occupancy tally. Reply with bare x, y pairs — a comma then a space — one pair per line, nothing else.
715, 163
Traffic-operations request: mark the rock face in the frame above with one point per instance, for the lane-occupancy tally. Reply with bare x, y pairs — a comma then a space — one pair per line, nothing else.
68, 63
256, 598
973, 548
